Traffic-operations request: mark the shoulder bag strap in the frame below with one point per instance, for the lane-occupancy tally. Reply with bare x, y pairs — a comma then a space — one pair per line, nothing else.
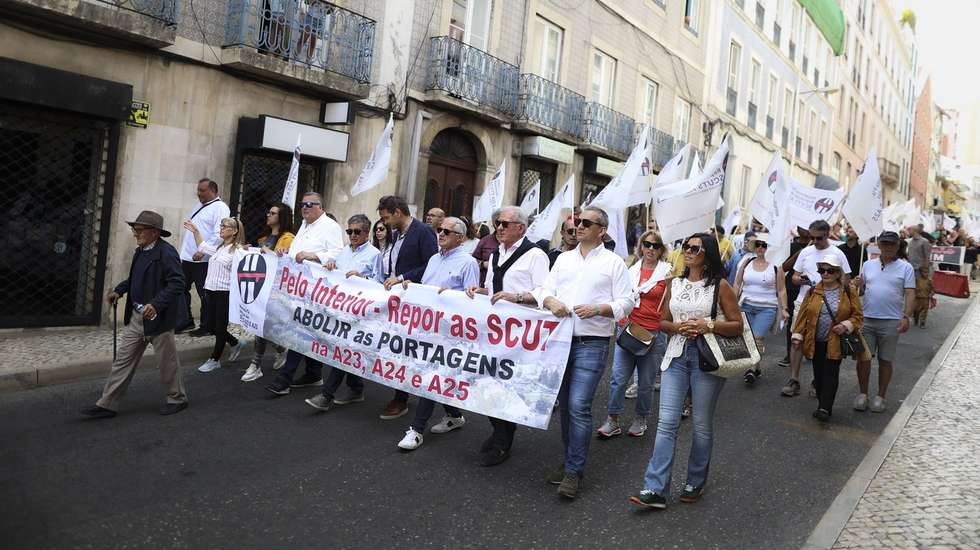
714, 302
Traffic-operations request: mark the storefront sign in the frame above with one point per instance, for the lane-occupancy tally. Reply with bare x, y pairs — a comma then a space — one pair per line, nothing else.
605, 167
547, 149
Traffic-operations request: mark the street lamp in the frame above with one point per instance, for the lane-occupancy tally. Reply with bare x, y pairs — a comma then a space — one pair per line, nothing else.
826, 91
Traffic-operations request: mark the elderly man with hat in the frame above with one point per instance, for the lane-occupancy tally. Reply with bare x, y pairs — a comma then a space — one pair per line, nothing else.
889, 296
154, 307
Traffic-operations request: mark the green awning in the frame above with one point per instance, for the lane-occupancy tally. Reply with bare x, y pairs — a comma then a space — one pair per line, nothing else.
828, 17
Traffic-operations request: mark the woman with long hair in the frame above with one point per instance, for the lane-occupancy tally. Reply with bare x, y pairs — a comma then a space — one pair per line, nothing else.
761, 290
278, 235
685, 316
217, 284
649, 277
381, 238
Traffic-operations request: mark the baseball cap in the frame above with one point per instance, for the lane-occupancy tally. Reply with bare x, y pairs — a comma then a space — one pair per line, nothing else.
889, 236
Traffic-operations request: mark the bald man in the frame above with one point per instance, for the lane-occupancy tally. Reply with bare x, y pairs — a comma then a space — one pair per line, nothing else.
434, 217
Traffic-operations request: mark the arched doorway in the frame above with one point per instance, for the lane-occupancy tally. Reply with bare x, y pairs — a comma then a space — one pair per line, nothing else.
451, 179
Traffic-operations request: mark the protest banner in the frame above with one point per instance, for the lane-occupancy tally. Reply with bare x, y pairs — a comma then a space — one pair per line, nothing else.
947, 254
376, 168
688, 206
505, 360
863, 207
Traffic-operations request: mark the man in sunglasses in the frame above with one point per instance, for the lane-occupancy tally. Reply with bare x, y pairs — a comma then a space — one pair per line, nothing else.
569, 240
359, 259
319, 239
805, 275
591, 286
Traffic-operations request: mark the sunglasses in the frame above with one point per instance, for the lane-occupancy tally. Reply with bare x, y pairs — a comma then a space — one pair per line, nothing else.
353, 232
827, 270
447, 232
505, 223
651, 244
760, 244
271, 213
692, 248
584, 223
309, 204
379, 228
569, 231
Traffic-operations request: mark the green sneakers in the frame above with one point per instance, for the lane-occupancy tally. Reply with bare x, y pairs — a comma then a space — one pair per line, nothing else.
649, 500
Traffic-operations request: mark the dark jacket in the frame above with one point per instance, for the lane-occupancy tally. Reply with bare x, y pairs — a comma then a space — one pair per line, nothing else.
164, 280
419, 245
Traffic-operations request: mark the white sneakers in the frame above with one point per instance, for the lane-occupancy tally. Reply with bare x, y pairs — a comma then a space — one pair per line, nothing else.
878, 404
448, 424
861, 402
209, 366
280, 360
235, 350
254, 372
631, 391
411, 441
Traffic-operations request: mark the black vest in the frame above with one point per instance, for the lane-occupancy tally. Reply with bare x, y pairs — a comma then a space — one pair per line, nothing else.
499, 271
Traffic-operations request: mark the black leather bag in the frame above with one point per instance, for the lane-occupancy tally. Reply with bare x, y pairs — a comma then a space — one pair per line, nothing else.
636, 339
851, 344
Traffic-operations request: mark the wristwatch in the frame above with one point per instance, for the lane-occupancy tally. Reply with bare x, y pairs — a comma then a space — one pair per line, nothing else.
520, 297
711, 324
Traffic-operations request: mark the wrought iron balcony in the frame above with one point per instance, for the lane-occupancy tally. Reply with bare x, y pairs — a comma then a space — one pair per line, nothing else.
663, 147
472, 77
608, 129
731, 101
542, 103
752, 111
148, 22
889, 171
770, 126
307, 42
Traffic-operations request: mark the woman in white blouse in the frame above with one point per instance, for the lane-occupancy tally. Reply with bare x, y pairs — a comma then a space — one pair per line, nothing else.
216, 286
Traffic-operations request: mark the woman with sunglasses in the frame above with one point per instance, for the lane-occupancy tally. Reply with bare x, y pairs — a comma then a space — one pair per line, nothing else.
648, 276
686, 314
216, 287
381, 239
761, 290
278, 235
830, 310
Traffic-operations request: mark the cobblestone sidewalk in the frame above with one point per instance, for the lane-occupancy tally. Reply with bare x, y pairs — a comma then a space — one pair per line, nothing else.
927, 492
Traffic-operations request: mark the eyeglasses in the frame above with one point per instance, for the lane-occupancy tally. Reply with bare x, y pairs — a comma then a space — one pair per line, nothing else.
760, 244
353, 232
271, 213
651, 244
309, 204
570, 231
447, 232
692, 248
827, 270
584, 223
505, 223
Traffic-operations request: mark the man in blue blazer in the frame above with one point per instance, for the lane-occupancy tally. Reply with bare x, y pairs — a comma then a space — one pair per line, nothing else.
414, 244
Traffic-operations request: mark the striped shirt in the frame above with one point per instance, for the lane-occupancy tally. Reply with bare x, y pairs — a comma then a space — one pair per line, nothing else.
219, 266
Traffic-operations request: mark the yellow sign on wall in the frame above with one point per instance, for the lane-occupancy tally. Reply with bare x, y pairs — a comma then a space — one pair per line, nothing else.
139, 114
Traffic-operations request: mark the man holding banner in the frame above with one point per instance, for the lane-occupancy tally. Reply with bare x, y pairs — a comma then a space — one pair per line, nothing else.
591, 285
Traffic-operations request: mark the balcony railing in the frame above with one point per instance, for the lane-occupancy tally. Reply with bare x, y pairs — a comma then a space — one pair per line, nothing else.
165, 10
731, 101
607, 128
471, 74
752, 111
541, 101
663, 147
770, 126
317, 34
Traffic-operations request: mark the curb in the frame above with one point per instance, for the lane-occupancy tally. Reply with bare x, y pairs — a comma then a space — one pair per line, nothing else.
828, 530
31, 377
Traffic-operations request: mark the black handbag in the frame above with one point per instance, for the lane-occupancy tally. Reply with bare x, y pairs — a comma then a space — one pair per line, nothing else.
851, 344
726, 356
636, 339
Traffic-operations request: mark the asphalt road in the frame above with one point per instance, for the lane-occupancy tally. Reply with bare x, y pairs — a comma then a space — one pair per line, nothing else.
239, 469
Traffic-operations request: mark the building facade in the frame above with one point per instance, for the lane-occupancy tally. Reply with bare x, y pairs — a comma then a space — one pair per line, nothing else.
922, 146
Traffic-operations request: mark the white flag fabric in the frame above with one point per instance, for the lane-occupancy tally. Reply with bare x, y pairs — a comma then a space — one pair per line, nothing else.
620, 192
928, 222
673, 171
688, 206
292, 180
617, 230
809, 204
695, 165
492, 197
532, 199
780, 216
552, 216
949, 224
761, 206
376, 169
733, 219
863, 207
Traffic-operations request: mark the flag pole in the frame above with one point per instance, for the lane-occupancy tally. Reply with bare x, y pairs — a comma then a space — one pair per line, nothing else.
861, 259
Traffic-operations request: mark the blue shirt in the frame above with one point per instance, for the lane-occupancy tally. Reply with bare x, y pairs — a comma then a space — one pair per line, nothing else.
884, 288
732, 265
363, 260
455, 269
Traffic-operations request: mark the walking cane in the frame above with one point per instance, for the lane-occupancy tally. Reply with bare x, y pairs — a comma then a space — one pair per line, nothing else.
115, 307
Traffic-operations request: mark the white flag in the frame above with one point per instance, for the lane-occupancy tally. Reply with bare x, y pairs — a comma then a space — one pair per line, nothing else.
761, 206
688, 206
532, 199
863, 207
673, 171
949, 224
620, 192
492, 197
733, 219
809, 204
292, 181
780, 216
695, 166
552, 216
617, 230
376, 169
928, 222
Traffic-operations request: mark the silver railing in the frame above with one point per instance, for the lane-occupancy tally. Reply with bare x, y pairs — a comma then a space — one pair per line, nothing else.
543, 102
607, 128
471, 74
308, 32
167, 11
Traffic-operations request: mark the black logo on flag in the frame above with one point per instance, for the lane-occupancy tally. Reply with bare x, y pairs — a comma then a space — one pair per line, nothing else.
251, 277
772, 182
823, 205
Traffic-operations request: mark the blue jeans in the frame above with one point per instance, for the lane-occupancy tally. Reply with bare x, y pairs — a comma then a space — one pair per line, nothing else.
646, 370
586, 361
335, 377
761, 318
674, 383
293, 358
424, 411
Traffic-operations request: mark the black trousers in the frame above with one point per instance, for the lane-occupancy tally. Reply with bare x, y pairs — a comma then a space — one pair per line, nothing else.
194, 274
826, 376
503, 433
216, 307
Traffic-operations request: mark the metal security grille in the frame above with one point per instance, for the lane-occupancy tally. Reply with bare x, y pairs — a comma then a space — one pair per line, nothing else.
53, 193
263, 179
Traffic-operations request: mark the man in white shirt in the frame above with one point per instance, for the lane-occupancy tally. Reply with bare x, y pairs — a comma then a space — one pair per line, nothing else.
206, 217
592, 286
319, 239
515, 269
805, 275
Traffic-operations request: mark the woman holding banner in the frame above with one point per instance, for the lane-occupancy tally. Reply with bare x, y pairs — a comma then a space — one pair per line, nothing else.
217, 284
761, 290
685, 317
642, 345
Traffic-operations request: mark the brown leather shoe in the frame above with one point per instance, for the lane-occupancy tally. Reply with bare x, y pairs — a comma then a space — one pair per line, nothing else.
394, 409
